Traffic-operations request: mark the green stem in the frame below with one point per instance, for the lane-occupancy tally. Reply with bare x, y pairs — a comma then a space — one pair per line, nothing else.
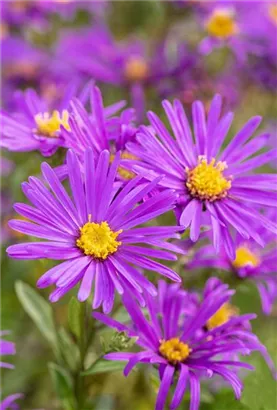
83, 346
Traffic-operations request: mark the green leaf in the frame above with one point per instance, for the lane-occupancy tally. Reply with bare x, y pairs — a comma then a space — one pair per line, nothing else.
38, 309
103, 366
63, 385
76, 316
68, 348
224, 401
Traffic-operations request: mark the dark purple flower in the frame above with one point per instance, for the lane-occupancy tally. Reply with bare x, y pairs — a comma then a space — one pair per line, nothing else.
95, 233
174, 339
216, 185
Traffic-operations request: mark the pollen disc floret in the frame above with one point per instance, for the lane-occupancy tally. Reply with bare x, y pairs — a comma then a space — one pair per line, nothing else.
223, 315
206, 181
98, 240
245, 257
123, 172
136, 69
49, 125
174, 350
221, 23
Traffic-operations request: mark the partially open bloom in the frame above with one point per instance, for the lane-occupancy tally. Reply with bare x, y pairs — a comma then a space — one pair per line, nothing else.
251, 263
7, 348
214, 183
102, 128
191, 346
95, 232
35, 125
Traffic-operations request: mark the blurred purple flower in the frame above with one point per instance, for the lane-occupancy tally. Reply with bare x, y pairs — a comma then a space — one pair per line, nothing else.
251, 262
213, 184
95, 233
36, 124
173, 339
127, 65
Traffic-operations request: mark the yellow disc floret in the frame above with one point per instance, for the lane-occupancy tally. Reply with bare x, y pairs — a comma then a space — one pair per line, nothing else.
98, 240
206, 181
123, 172
49, 125
223, 315
245, 257
221, 23
174, 350
136, 69
272, 11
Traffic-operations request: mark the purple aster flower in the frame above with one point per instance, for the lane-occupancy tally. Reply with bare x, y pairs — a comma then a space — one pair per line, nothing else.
251, 262
173, 340
127, 65
95, 233
101, 129
36, 125
215, 184
247, 28
8, 348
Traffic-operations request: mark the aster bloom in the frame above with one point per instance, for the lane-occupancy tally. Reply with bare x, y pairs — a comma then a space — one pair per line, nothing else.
173, 340
224, 23
95, 233
101, 128
215, 184
251, 262
35, 125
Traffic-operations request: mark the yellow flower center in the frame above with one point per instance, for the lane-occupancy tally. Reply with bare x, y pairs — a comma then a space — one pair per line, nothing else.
49, 126
206, 180
244, 257
98, 240
123, 172
272, 11
136, 69
174, 350
223, 315
221, 23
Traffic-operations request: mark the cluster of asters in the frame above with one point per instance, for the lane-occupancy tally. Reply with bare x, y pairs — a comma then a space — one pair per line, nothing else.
96, 213
102, 228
